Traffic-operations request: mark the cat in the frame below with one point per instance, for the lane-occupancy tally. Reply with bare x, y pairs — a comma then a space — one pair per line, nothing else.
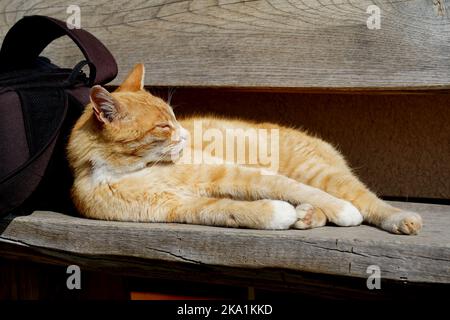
125, 152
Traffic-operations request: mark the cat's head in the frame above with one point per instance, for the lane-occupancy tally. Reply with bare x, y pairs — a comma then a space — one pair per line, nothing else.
133, 122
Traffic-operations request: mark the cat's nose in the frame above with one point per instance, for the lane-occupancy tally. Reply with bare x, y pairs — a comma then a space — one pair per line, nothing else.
180, 135
178, 139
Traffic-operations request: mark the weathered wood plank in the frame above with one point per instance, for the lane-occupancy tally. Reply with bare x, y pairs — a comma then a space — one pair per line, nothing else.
331, 250
264, 44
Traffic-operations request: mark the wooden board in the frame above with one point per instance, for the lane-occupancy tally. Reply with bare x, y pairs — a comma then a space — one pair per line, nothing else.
330, 250
264, 44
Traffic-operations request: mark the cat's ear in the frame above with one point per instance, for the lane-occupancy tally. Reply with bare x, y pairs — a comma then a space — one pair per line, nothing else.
135, 79
106, 108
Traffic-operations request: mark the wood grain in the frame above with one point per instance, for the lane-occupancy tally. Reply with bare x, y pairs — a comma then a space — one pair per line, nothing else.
299, 44
330, 250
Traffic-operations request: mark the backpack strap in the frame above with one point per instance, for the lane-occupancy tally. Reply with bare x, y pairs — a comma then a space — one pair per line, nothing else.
29, 36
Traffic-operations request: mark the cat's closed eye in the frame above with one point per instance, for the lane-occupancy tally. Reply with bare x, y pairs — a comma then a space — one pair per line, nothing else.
163, 126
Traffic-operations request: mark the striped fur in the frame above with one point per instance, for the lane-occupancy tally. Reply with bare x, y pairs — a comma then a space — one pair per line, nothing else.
121, 153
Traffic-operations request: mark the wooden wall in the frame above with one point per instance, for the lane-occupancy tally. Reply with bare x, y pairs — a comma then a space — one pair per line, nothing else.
263, 44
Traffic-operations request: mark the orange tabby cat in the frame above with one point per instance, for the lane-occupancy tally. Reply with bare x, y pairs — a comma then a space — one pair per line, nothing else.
126, 154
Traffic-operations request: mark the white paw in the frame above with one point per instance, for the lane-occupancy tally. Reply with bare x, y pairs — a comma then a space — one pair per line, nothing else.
348, 216
403, 222
284, 215
304, 210
304, 215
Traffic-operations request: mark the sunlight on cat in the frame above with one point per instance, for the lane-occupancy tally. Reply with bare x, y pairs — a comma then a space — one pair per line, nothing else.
134, 161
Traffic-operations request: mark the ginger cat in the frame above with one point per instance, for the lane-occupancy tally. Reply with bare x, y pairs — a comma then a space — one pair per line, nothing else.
126, 154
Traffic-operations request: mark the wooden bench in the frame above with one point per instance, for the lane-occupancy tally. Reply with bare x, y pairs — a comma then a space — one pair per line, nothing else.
381, 95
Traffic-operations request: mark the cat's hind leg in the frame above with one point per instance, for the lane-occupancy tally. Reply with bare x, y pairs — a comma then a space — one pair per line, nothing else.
345, 200
316, 163
342, 184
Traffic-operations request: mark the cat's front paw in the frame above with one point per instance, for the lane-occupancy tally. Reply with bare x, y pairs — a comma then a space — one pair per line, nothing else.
309, 217
403, 222
283, 215
342, 213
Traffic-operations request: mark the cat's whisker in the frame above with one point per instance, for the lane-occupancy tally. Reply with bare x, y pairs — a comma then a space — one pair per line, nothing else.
170, 93
166, 151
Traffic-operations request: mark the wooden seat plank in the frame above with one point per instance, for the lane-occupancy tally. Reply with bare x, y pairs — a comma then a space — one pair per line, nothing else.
330, 250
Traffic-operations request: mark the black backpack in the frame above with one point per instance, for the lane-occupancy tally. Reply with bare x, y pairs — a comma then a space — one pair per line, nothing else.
39, 103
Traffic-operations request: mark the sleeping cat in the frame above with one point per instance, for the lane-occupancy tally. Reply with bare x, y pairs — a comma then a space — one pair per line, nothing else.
126, 149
